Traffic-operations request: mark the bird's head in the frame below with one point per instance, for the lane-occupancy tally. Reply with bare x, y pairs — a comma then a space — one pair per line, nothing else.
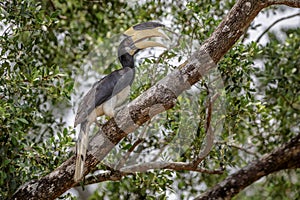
136, 39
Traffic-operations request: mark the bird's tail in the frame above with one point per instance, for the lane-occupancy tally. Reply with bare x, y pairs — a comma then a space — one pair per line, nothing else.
81, 149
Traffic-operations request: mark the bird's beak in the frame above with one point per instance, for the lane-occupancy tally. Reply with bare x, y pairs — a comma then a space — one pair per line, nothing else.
139, 34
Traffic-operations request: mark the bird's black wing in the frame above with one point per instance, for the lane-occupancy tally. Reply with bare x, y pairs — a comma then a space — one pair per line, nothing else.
102, 91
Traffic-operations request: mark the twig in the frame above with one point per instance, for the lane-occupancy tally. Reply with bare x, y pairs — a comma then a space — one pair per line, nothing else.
245, 34
161, 149
209, 138
239, 148
105, 176
140, 139
274, 23
177, 166
116, 175
52, 5
288, 102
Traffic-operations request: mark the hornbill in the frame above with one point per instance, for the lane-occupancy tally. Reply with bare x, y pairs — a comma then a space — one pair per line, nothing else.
112, 90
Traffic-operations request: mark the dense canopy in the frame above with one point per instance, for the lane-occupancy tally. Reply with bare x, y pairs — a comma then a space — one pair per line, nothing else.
241, 114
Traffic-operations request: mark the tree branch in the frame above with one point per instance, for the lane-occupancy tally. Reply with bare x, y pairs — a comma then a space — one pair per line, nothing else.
105, 176
177, 166
286, 157
119, 171
116, 175
274, 23
239, 148
157, 99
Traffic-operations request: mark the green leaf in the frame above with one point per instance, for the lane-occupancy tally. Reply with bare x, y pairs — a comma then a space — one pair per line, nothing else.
23, 120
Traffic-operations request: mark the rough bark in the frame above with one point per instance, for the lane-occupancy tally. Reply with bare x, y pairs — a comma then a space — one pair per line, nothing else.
157, 99
286, 157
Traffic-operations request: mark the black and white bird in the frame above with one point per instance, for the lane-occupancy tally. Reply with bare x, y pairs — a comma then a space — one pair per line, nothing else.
112, 90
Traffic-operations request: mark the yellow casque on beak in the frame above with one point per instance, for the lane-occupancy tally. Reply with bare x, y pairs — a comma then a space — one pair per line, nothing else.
139, 33
146, 44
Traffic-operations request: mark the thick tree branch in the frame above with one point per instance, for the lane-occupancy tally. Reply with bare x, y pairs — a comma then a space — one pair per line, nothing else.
157, 99
286, 157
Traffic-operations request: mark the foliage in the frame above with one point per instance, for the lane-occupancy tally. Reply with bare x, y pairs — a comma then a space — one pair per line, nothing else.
150, 185
50, 51
278, 89
35, 87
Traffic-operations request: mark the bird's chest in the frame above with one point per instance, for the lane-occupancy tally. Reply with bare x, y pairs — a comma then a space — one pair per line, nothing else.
121, 96
110, 105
